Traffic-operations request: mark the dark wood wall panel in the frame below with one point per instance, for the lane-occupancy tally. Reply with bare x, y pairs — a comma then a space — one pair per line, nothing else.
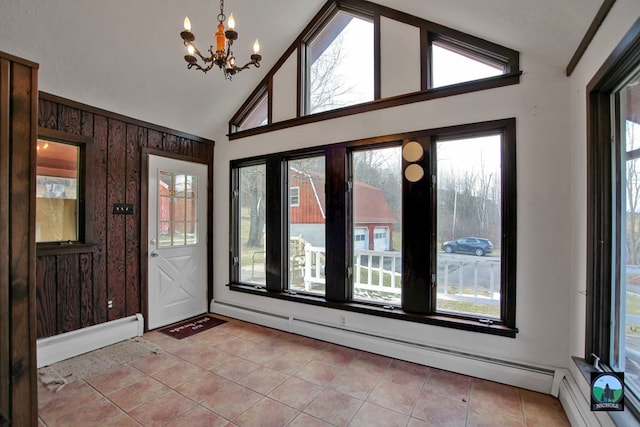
136, 140
73, 288
116, 286
100, 218
46, 296
18, 109
85, 273
68, 293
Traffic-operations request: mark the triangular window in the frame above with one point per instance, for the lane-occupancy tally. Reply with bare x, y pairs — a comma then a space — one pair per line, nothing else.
451, 64
340, 63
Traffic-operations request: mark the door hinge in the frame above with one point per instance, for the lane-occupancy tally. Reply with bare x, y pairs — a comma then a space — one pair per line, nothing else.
235, 261
349, 272
349, 186
236, 194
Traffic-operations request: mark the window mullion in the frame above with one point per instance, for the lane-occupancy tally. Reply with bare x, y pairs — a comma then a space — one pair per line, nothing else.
276, 251
418, 294
338, 234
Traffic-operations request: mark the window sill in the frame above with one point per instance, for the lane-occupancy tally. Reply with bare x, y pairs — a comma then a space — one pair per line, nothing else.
467, 324
61, 248
630, 416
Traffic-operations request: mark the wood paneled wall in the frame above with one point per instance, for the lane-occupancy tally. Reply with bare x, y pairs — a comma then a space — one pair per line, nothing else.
18, 106
73, 285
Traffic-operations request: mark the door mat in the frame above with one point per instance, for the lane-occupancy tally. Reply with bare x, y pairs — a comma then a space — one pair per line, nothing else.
191, 327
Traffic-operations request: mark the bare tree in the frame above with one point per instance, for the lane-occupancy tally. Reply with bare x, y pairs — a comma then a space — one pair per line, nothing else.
632, 177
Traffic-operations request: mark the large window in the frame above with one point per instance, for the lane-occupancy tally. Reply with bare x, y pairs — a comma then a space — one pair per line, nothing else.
377, 216
469, 221
418, 226
613, 323
307, 207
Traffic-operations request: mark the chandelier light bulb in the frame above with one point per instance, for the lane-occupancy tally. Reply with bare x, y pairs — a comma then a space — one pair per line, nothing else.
231, 22
256, 47
191, 49
187, 24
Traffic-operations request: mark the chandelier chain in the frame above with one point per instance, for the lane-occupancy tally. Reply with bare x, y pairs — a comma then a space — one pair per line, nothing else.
221, 16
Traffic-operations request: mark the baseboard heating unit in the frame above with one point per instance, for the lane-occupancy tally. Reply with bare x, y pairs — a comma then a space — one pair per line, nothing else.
64, 346
536, 378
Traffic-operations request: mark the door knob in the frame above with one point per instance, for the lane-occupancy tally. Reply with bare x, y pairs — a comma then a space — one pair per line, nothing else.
154, 254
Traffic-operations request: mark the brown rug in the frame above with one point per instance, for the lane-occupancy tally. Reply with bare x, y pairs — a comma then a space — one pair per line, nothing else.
191, 327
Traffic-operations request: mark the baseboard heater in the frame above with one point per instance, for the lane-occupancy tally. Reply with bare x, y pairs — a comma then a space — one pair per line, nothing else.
536, 378
64, 346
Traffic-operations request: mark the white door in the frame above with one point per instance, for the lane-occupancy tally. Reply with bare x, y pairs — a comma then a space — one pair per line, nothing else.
177, 246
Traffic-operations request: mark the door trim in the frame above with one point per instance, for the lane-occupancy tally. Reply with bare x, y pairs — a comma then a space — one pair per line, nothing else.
144, 224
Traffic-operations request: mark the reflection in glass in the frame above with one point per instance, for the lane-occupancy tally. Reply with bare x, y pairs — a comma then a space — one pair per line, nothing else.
469, 226
377, 226
307, 210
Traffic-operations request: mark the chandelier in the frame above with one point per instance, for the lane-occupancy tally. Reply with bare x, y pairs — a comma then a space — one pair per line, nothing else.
222, 56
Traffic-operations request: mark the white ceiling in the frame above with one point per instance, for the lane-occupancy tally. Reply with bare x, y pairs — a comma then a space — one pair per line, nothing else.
127, 56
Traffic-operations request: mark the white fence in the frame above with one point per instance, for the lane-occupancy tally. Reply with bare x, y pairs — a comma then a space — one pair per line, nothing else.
381, 271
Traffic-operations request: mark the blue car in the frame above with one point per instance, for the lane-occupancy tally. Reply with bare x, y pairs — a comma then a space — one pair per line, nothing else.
468, 245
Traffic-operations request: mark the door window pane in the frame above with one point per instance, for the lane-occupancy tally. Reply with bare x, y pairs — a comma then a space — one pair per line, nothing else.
468, 187
307, 212
252, 224
341, 63
177, 207
57, 208
626, 294
377, 226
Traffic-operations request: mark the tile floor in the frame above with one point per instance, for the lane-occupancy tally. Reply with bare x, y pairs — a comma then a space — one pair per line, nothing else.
241, 374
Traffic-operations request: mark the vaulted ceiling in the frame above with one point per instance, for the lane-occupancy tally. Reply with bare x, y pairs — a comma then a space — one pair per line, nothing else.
127, 56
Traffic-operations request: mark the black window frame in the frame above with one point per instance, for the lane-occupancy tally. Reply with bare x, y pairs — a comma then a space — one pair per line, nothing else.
429, 31
602, 210
418, 295
85, 239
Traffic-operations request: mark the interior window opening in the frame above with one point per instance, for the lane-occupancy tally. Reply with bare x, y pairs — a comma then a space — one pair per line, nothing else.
57, 192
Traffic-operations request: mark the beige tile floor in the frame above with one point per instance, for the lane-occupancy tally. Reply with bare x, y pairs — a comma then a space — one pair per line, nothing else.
241, 374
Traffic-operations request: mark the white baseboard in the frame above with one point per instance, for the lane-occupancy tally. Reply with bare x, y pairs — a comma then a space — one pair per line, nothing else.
74, 343
536, 378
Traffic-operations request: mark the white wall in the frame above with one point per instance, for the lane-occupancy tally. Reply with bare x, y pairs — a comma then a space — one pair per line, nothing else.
540, 104
616, 25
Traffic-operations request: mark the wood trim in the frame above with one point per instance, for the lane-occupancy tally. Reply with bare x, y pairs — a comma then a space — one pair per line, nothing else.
589, 35
115, 116
17, 60
5, 330
467, 87
600, 209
